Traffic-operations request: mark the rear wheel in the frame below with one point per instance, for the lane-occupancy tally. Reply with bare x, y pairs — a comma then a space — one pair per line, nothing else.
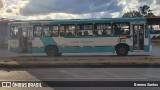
122, 50
52, 51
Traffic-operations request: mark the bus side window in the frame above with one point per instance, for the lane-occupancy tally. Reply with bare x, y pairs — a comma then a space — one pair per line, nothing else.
104, 32
86, 33
46, 31
14, 32
85, 29
122, 28
117, 30
69, 34
96, 33
67, 30
54, 31
62, 34
79, 33
102, 29
62, 31
37, 31
70, 30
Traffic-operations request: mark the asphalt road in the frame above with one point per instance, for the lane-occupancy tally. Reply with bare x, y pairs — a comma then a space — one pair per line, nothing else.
81, 74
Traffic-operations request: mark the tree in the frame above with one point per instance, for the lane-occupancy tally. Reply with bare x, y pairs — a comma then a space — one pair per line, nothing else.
150, 14
131, 14
144, 11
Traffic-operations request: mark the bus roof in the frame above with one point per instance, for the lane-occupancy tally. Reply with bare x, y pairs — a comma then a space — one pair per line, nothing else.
80, 21
104, 20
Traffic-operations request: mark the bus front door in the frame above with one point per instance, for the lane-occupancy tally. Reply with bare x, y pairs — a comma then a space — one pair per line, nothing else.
24, 40
138, 37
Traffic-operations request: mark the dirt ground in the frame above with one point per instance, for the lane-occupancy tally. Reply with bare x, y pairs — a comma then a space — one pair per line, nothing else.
77, 60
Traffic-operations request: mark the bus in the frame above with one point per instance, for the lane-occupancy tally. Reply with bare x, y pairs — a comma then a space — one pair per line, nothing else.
55, 37
155, 34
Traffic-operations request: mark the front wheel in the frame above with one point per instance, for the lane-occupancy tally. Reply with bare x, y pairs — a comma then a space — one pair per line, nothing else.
52, 51
122, 50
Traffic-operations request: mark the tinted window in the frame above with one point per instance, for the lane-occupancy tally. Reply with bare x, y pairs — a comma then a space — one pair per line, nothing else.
121, 28
102, 29
54, 31
14, 32
37, 31
46, 31
70, 30
85, 30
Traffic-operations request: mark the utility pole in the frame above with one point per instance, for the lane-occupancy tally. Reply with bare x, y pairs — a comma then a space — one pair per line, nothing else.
92, 9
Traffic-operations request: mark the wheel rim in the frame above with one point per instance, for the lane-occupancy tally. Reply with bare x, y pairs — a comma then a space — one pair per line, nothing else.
52, 52
122, 50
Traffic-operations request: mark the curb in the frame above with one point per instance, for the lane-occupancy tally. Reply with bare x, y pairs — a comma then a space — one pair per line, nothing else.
104, 65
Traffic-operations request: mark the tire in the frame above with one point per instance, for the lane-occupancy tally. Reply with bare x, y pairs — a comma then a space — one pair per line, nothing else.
52, 51
122, 50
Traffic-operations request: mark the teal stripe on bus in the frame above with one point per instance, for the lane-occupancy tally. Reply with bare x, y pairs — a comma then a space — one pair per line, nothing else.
36, 50
48, 41
17, 50
146, 48
86, 49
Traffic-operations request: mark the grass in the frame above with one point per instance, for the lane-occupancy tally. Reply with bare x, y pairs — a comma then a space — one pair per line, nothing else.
41, 62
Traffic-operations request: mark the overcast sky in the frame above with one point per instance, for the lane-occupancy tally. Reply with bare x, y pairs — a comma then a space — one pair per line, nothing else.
71, 9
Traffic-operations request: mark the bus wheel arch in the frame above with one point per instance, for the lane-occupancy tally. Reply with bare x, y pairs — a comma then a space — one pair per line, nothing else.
52, 50
122, 49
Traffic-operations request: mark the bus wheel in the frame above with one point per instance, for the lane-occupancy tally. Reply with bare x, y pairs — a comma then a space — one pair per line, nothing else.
52, 51
122, 50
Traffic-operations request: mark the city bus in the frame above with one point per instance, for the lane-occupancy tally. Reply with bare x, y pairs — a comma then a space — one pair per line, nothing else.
155, 34
55, 37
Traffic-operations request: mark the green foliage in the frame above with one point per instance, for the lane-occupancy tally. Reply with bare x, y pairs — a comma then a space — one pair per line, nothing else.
134, 14
131, 14
150, 14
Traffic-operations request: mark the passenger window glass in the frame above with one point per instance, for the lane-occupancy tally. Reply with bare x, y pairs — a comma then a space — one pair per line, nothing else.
85, 30
121, 28
67, 30
14, 32
62, 31
46, 31
70, 30
102, 29
54, 31
37, 31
